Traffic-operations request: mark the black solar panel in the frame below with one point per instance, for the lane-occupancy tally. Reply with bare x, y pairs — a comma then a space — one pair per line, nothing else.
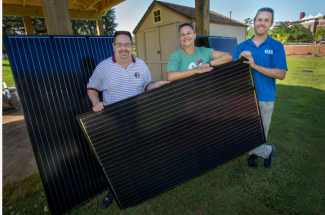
159, 139
223, 44
51, 74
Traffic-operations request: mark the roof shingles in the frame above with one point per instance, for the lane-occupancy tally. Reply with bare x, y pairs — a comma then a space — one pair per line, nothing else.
190, 13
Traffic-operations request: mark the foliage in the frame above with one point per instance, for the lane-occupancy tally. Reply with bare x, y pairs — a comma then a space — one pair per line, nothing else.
15, 25
250, 28
250, 33
88, 27
248, 21
317, 50
294, 31
319, 33
134, 52
109, 22
282, 39
295, 184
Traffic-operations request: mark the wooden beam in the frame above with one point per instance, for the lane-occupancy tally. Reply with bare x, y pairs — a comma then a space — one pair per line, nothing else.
202, 17
104, 10
22, 11
28, 25
100, 27
87, 15
71, 3
92, 4
24, 3
85, 5
57, 17
38, 12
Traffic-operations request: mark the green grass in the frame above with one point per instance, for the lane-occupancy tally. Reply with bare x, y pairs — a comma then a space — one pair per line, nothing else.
295, 184
6, 74
26, 196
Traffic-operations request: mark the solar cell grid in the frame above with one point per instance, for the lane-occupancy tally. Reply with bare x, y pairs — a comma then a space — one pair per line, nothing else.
152, 142
218, 43
51, 74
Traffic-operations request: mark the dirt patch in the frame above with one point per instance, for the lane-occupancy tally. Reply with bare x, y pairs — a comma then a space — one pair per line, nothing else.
18, 159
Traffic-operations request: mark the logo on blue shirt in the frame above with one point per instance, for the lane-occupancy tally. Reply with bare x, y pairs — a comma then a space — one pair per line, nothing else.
268, 51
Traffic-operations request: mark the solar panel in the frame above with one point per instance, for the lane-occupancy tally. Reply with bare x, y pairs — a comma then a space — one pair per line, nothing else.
51, 74
159, 139
223, 44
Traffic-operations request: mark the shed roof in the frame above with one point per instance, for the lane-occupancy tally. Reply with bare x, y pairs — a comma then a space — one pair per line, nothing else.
189, 12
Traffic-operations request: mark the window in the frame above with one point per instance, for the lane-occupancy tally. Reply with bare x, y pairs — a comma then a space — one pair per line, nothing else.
156, 16
309, 26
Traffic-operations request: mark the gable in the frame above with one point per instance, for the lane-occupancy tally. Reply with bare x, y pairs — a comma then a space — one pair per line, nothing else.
167, 17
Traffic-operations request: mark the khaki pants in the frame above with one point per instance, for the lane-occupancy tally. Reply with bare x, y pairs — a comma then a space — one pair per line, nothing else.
266, 109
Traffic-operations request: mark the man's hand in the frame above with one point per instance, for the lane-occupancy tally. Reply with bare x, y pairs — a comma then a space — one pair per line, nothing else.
99, 106
249, 57
156, 84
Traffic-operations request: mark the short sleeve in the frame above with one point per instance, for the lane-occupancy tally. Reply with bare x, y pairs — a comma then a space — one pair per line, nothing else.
210, 53
96, 81
279, 58
173, 63
236, 54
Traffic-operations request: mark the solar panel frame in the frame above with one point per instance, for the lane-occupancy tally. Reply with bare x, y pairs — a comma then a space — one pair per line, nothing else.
130, 133
51, 74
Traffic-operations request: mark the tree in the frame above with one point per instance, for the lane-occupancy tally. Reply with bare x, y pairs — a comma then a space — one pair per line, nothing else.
250, 33
15, 25
248, 21
319, 33
88, 27
250, 28
292, 31
109, 22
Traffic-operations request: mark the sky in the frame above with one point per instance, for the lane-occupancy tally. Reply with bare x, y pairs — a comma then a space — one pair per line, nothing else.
129, 13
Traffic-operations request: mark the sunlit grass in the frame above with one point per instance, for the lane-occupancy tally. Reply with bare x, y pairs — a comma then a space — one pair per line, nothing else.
6, 74
295, 185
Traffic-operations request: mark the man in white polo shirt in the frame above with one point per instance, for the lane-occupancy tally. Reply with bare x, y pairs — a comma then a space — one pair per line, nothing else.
119, 77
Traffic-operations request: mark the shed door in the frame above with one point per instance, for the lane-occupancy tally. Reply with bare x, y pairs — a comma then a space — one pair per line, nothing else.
152, 53
168, 45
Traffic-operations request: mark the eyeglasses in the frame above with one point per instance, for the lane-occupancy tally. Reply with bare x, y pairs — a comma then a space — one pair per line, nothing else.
126, 45
266, 9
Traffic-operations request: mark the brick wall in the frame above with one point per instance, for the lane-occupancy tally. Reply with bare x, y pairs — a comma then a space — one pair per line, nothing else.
303, 49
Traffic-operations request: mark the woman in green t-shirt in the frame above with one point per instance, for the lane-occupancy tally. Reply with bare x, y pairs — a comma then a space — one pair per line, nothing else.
191, 60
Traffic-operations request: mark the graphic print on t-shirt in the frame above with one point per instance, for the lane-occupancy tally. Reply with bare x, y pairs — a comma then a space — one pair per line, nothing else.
194, 64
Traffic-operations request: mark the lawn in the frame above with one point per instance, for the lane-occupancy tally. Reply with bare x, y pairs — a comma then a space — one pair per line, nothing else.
295, 184
6, 74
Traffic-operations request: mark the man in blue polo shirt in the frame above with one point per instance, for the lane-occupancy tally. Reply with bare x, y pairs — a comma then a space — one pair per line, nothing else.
267, 60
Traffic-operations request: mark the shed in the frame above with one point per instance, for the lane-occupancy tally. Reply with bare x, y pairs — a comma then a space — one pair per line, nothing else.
157, 36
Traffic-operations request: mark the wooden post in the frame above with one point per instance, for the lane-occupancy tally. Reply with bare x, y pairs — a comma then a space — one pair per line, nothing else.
202, 17
100, 27
57, 17
28, 25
